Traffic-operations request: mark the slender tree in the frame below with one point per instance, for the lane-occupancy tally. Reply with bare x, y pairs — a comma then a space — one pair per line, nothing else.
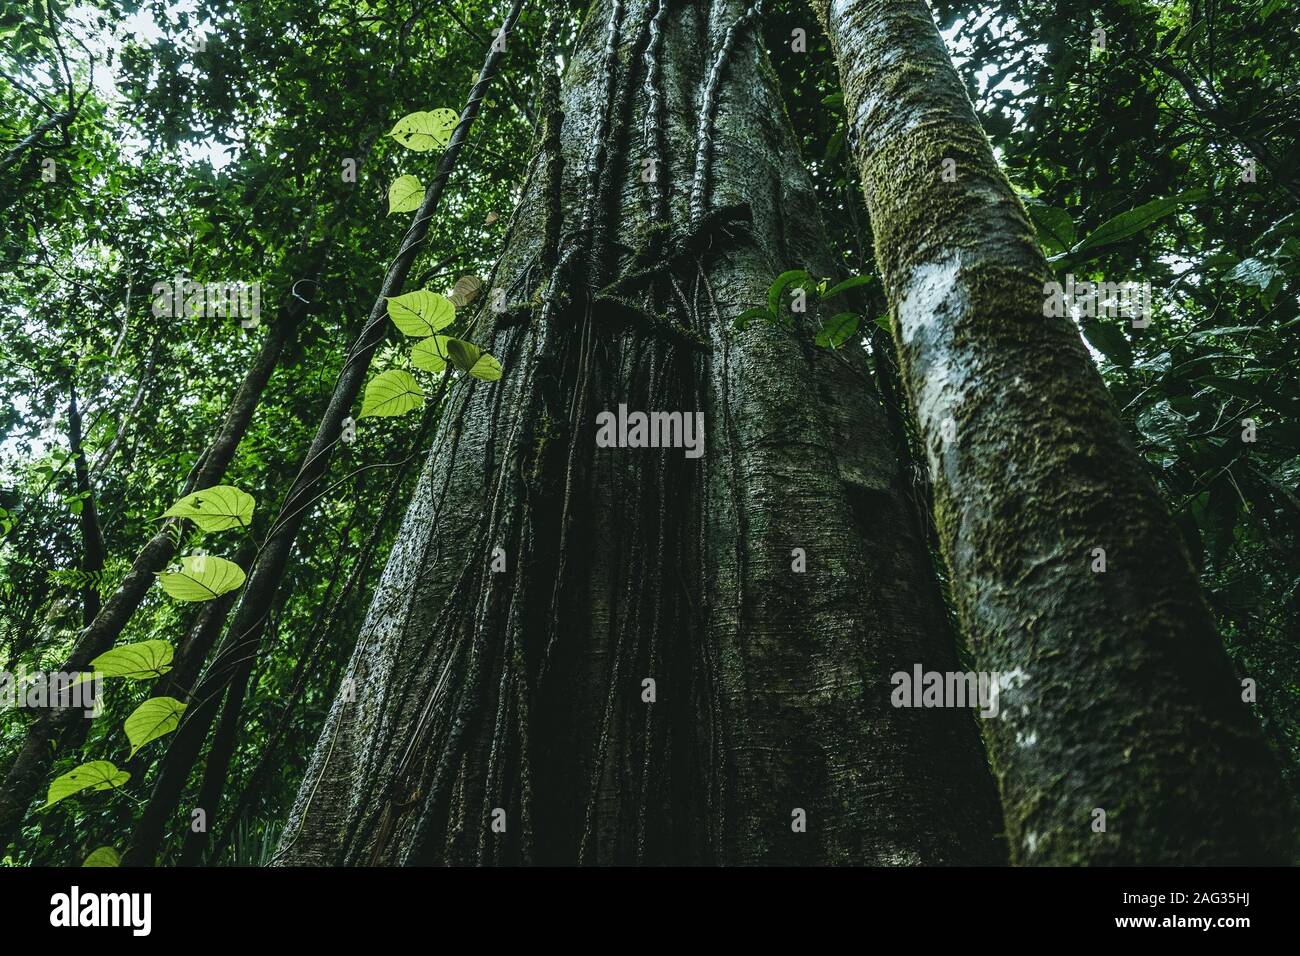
92, 538
1070, 579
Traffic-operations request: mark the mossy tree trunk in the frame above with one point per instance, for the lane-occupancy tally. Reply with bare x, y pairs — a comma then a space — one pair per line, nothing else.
517, 697
1119, 695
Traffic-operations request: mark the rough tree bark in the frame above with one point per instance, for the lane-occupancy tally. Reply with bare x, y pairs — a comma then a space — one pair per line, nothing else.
517, 698
1118, 694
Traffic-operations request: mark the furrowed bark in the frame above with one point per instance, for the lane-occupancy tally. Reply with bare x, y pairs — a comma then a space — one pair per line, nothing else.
1116, 692
235, 657
28, 771
517, 697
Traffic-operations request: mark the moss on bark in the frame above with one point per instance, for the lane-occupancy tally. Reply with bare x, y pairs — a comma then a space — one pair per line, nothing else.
1118, 694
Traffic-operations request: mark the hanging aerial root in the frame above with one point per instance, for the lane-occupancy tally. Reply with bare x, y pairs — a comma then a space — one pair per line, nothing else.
709, 109
614, 314
726, 227
653, 131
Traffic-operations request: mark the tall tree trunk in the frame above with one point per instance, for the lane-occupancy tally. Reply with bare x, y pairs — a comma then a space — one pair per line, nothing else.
1117, 694
238, 650
29, 768
92, 538
503, 715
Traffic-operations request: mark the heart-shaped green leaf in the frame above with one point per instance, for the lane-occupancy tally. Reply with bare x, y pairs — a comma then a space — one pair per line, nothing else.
463, 354
201, 577
139, 661
430, 354
487, 368
96, 775
215, 509
421, 313
156, 717
405, 195
391, 393
422, 131
104, 856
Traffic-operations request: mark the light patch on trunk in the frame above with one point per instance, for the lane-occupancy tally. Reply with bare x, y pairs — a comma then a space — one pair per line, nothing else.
931, 304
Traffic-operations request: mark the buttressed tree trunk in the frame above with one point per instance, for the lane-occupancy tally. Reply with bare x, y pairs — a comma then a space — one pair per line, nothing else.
605, 654
1117, 694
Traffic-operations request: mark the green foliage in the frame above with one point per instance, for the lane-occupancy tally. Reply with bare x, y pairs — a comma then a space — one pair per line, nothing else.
430, 354
1126, 224
217, 168
405, 195
95, 775
201, 577
139, 661
215, 509
831, 333
423, 131
421, 313
103, 856
837, 330
156, 717
469, 358
391, 393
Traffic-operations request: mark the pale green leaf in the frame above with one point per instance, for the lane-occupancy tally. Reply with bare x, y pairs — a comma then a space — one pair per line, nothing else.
96, 775
487, 368
215, 509
430, 354
139, 661
405, 195
104, 856
422, 131
156, 717
421, 313
391, 393
201, 577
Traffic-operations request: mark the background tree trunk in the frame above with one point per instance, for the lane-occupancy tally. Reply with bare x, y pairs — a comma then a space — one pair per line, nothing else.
472, 692
1117, 694
92, 538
